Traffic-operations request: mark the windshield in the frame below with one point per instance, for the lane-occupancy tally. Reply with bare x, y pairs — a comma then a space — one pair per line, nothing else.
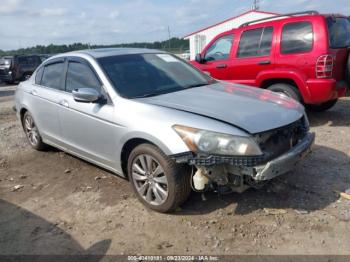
339, 32
141, 75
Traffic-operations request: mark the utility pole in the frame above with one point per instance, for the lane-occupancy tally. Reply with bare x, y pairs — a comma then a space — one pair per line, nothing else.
255, 5
169, 37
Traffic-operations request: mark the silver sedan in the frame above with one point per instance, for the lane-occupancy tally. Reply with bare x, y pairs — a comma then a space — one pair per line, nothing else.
155, 119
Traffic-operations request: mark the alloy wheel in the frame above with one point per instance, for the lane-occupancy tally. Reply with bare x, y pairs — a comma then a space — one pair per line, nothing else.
31, 130
149, 179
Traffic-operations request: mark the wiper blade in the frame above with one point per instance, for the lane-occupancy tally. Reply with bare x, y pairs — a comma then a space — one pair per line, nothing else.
197, 85
147, 95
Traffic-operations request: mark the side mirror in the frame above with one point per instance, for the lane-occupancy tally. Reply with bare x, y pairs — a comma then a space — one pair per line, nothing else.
86, 95
199, 59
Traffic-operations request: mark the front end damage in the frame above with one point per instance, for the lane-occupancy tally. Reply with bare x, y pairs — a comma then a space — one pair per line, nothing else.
282, 149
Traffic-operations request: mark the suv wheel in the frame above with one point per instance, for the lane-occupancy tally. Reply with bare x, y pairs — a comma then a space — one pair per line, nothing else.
26, 76
157, 180
32, 132
287, 90
322, 107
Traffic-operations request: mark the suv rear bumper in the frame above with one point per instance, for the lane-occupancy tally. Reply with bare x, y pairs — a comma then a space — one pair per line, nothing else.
323, 90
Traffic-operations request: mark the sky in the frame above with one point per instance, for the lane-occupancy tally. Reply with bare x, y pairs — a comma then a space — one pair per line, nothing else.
25, 23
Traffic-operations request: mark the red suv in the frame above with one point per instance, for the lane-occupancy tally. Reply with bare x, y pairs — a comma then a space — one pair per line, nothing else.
302, 55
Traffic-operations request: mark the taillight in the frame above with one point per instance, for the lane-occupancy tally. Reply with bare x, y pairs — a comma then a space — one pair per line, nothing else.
324, 66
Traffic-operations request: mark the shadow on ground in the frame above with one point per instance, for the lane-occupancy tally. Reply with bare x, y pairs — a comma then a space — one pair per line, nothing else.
310, 187
337, 116
24, 233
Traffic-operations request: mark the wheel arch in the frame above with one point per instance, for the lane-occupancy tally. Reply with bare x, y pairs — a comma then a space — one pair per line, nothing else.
132, 143
126, 151
295, 79
22, 111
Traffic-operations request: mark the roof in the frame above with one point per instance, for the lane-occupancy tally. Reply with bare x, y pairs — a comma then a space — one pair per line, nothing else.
229, 19
103, 52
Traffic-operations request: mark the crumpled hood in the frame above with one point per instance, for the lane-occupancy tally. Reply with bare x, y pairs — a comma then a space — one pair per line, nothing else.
252, 109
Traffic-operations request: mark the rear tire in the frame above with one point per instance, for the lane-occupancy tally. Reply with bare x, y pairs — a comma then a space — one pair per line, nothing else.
321, 107
287, 90
26, 76
163, 190
32, 132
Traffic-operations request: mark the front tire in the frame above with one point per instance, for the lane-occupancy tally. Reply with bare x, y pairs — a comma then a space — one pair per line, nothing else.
32, 132
322, 107
158, 182
287, 90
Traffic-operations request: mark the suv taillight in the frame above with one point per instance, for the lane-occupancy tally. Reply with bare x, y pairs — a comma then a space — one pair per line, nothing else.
324, 66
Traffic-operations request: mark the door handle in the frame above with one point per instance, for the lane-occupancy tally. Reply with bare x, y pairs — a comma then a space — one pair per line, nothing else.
64, 103
265, 62
221, 66
34, 92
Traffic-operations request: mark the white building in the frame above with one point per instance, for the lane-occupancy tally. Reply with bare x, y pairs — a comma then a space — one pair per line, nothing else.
200, 38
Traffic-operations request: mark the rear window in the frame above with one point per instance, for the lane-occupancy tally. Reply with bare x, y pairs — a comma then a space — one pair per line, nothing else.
52, 76
297, 38
256, 42
339, 32
39, 75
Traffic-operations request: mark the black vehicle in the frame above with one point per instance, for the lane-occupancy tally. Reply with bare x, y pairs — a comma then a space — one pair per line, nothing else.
43, 57
18, 68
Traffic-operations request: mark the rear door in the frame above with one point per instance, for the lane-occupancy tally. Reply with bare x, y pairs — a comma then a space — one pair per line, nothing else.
217, 56
45, 95
88, 128
253, 55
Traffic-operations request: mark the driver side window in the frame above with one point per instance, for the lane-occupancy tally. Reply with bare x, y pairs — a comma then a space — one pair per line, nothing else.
81, 76
220, 49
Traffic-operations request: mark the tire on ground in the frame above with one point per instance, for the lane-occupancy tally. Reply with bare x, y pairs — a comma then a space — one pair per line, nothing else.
40, 146
286, 89
178, 177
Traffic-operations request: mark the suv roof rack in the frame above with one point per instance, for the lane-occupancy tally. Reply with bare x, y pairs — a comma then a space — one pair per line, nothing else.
312, 12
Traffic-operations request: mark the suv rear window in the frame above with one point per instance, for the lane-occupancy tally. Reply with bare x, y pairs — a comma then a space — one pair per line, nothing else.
297, 38
339, 32
256, 42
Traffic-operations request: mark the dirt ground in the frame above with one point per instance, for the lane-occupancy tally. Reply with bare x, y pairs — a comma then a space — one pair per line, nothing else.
68, 206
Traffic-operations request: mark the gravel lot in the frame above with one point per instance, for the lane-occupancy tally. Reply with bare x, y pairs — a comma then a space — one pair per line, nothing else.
68, 206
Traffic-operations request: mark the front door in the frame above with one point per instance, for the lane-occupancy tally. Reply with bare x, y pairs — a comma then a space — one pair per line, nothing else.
88, 128
216, 57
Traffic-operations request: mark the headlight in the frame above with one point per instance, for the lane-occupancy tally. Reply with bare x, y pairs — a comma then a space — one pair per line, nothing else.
202, 141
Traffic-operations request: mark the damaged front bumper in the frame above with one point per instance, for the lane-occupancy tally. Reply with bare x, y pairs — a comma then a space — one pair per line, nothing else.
286, 162
240, 171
